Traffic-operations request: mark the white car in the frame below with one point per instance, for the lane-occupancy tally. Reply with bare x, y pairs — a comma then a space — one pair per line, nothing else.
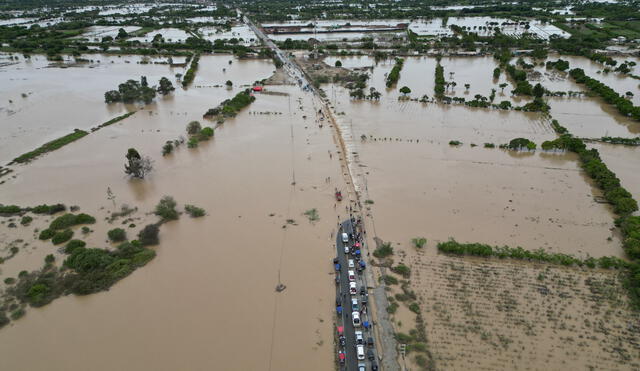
345, 237
352, 276
353, 288
346, 249
355, 318
360, 352
352, 264
362, 367
359, 338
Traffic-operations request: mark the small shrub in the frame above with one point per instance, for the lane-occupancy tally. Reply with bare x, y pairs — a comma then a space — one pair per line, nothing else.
9, 280
392, 308
415, 308
149, 235
49, 259
368, 202
389, 280
26, 220
193, 142
194, 211
46, 234
455, 142
22, 274
403, 338
166, 209
489, 145
62, 236
86, 230
193, 127
419, 242
402, 270
383, 251
117, 235
17, 314
167, 148
312, 215
421, 361
206, 133
73, 245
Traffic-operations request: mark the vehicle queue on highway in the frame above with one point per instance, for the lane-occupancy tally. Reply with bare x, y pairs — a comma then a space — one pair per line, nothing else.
356, 350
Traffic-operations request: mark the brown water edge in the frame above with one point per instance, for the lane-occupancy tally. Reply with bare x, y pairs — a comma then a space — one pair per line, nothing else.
62, 99
208, 298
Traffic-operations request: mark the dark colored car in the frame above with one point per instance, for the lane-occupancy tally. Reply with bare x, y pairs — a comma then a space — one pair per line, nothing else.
370, 355
374, 366
343, 340
335, 260
363, 290
370, 341
337, 279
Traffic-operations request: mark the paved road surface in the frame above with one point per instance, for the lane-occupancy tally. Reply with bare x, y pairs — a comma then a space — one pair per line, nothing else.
342, 293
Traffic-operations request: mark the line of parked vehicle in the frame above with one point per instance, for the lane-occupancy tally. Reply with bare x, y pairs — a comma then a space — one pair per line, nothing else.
352, 339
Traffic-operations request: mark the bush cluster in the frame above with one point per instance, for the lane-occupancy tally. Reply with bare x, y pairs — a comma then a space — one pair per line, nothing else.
69, 220
439, 82
394, 75
194, 211
610, 96
479, 249
62, 236
117, 235
231, 107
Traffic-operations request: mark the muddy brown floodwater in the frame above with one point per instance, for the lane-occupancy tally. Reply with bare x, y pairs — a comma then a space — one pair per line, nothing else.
207, 301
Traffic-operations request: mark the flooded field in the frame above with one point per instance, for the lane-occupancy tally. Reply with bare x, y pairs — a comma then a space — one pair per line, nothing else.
213, 280
480, 25
592, 118
98, 32
418, 73
53, 93
239, 32
169, 34
622, 160
474, 194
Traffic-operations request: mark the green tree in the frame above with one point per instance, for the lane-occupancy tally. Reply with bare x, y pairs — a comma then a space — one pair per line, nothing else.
229, 83
538, 91
338, 63
496, 72
122, 34
137, 166
166, 209
165, 86
405, 90
193, 127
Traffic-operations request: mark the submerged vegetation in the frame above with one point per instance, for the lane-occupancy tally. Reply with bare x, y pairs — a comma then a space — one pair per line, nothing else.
231, 107
394, 75
50, 146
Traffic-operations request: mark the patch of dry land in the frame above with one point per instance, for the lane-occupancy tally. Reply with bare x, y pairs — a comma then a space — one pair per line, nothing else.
489, 314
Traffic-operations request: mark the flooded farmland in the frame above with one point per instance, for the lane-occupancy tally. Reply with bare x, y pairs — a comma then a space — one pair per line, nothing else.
52, 93
395, 192
223, 275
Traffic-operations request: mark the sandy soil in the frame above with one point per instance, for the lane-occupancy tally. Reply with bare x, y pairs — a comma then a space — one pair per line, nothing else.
488, 315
